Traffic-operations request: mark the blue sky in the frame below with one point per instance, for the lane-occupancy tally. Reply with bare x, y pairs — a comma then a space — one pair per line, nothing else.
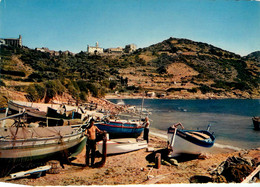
73, 24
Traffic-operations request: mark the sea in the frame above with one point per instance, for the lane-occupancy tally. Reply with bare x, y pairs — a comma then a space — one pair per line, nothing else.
230, 119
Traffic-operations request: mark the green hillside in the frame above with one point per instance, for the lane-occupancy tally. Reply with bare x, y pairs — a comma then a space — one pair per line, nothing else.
171, 66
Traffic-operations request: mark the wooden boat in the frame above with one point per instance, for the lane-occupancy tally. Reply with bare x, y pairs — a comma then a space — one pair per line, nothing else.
124, 145
31, 111
20, 145
121, 129
72, 114
189, 141
256, 123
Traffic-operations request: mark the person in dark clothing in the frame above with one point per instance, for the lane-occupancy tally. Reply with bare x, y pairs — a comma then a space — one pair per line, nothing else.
91, 142
146, 125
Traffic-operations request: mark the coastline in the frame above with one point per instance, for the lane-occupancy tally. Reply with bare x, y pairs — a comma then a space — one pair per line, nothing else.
174, 97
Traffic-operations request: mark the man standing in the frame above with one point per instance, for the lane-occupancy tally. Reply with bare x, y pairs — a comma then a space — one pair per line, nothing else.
146, 125
91, 142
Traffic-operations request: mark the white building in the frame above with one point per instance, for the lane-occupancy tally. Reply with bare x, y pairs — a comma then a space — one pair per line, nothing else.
130, 48
95, 50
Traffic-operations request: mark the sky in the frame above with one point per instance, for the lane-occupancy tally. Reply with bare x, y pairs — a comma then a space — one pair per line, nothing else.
73, 24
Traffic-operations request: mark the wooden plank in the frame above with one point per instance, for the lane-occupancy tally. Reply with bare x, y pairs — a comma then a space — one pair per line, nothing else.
249, 177
202, 134
29, 172
195, 136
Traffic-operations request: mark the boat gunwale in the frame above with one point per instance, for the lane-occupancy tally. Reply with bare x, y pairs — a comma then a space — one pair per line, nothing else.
117, 126
30, 110
42, 145
196, 141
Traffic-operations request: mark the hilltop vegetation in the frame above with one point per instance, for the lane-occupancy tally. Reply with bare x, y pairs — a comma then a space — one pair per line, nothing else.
174, 66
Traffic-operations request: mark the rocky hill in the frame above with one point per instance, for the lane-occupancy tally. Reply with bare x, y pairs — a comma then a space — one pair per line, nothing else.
182, 65
254, 56
175, 68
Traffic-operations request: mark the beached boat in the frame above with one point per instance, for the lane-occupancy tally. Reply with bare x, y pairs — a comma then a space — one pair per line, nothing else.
121, 129
124, 145
256, 122
20, 145
31, 111
189, 141
71, 114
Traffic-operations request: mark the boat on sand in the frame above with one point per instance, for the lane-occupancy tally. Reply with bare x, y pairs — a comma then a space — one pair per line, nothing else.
189, 141
123, 145
24, 145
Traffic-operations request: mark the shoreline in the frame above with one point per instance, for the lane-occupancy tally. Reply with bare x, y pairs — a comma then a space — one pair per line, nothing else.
177, 97
133, 168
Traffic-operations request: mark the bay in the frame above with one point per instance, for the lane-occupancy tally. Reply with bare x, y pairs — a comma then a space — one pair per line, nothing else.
230, 119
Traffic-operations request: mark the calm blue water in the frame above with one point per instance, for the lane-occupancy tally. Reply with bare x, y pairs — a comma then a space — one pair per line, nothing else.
230, 119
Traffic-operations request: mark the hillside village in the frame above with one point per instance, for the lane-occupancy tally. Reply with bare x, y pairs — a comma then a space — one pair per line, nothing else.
174, 69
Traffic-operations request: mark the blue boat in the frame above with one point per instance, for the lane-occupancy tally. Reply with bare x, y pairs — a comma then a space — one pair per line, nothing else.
119, 129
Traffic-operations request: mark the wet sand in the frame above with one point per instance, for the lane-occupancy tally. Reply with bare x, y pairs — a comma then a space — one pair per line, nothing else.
133, 168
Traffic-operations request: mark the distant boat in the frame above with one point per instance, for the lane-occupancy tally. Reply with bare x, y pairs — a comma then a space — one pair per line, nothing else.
120, 102
256, 122
121, 129
27, 145
124, 145
189, 141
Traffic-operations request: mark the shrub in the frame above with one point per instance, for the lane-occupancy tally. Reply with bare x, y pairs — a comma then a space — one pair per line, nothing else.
193, 90
54, 87
205, 89
112, 84
2, 83
161, 70
93, 89
35, 92
83, 96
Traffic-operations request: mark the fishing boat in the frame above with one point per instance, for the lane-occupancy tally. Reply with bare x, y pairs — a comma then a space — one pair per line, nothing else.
15, 107
189, 141
22, 145
121, 129
256, 122
123, 145
64, 114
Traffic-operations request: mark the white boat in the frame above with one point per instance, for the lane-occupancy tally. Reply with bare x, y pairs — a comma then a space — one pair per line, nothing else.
189, 141
123, 145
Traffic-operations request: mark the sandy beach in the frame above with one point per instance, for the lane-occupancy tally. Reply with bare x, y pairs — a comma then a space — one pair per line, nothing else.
134, 168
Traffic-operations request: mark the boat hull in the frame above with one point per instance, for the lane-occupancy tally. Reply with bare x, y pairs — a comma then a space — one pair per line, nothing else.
183, 146
121, 130
190, 141
119, 146
58, 144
